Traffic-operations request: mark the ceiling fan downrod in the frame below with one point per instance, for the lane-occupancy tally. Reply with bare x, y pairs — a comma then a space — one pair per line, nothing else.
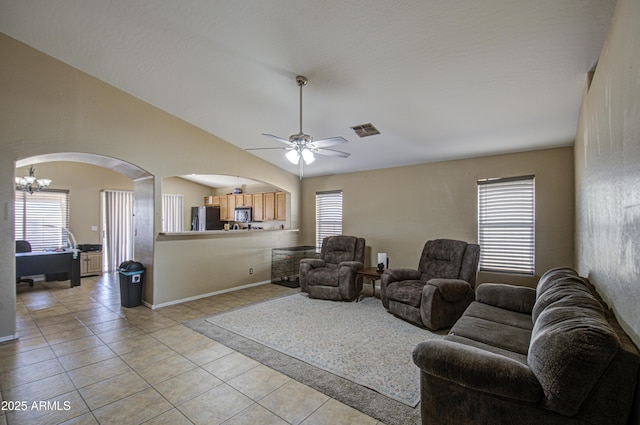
302, 81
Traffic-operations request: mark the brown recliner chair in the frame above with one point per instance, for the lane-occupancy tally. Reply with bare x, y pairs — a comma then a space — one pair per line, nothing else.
333, 275
435, 295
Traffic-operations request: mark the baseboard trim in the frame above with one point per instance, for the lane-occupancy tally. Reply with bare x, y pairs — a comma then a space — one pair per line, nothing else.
209, 294
9, 337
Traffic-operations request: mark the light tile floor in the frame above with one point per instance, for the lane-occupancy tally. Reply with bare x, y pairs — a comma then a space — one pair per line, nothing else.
83, 359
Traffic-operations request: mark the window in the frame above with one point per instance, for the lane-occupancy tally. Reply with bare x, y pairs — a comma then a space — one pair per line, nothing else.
506, 225
172, 213
42, 218
328, 215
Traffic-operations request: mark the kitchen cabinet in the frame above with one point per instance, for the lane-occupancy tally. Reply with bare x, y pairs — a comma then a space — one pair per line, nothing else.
231, 207
269, 206
211, 201
90, 264
257, 204
266, 206
281, 206
224, 208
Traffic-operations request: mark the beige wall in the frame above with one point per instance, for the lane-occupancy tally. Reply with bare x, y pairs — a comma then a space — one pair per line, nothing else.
47, 107
607, 162
398, 209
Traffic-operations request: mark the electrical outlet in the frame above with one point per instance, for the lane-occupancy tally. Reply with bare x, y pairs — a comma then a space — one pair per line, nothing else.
251, 270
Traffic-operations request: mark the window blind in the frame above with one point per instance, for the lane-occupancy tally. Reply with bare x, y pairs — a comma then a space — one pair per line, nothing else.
42, 218
506, 225
117, 216
172, 213
328, 215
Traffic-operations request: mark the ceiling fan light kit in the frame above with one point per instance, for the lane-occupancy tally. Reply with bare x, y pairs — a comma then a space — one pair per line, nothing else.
302, 145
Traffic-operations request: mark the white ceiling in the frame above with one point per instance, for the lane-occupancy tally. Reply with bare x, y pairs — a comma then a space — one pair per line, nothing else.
440, 79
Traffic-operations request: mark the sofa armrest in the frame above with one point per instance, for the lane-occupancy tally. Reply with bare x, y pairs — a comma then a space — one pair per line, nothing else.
451, 290
354, 265
397, 275
510, 297
314, 263
477, 369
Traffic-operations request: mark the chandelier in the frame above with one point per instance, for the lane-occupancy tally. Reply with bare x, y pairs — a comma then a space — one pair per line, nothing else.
30, 183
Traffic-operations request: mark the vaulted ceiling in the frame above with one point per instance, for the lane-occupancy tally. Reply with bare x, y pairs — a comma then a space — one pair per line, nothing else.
439, 79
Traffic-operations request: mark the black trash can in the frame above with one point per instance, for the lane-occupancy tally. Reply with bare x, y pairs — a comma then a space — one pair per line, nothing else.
131, 281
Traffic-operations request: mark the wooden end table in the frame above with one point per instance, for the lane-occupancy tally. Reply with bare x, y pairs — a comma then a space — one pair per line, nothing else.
372, 274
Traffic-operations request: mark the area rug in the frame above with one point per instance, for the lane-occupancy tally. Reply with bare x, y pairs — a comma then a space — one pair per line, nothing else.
360, 342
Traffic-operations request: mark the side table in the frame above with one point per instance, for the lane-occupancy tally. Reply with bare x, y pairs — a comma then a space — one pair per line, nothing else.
372, 274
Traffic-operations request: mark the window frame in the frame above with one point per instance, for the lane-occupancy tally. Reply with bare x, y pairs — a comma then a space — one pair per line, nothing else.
506, 225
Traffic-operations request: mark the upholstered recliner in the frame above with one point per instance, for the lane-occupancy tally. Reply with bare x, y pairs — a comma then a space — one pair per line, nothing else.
333, 275
435, 295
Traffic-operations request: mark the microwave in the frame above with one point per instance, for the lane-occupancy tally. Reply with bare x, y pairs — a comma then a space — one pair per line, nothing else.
243, 215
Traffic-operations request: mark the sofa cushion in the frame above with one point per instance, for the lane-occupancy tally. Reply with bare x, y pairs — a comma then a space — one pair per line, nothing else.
550, 277
493, 333
323, 276
571, 346
499, 315
488, 347
407, 292
340, 249
442, 258
516, 298
564, 287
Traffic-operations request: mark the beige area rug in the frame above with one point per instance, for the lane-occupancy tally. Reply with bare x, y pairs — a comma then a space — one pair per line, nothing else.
360, 342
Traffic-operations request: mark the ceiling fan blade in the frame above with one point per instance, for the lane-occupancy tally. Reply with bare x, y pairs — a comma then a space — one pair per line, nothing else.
279, 139
331, 152
331, 141
258, 149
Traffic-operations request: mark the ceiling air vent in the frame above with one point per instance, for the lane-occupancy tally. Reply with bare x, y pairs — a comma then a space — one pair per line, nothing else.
365, 130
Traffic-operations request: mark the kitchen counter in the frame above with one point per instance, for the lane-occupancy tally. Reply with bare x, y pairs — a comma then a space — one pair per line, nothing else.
206, 234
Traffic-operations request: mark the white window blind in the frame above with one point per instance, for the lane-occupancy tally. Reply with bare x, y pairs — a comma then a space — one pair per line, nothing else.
506, 225
172, 213
328, 215
117, 220
42, 218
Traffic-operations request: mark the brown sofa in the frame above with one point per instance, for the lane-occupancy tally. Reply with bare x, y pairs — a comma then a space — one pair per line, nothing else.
553, 355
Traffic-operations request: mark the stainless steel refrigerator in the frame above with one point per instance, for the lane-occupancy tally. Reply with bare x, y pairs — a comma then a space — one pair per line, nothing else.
206, 218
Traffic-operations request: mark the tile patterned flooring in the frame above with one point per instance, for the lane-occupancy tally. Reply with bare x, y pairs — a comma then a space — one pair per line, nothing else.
81, 358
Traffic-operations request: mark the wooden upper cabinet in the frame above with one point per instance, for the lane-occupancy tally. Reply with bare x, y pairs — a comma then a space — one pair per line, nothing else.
257, 204
269, 210
212, 201
231, 207
281, 206
224, 208
266, 206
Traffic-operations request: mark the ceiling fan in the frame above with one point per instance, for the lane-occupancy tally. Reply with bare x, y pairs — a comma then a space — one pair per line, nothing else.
302, 145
